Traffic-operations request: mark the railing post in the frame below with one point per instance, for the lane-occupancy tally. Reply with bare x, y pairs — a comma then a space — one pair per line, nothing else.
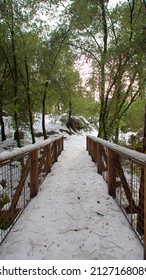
145, 213
87, 143
34, 173
99, 158
94, 152
111, 173
48, 159
55, 150
62, 143
89, 146
59, 146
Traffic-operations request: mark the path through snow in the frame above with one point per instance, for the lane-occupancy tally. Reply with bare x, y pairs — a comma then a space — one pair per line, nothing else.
72, 217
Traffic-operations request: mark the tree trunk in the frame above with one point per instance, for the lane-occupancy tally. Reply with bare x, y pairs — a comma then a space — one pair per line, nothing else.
70, 111
69, 122
116, 140
43, 116
31, 124
3, 135
17, 135
15, 79
29, 104
44, 111
102, 124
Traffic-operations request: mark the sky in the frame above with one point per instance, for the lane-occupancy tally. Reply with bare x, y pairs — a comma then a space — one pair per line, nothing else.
114, 2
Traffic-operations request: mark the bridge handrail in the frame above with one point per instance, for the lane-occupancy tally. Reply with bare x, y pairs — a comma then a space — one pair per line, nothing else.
21, 173
125, 152
124, 170
18, 152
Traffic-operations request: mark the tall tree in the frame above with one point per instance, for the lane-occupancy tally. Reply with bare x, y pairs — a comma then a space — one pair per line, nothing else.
29, 51
8, 16
3, 75
112, 40
17, 18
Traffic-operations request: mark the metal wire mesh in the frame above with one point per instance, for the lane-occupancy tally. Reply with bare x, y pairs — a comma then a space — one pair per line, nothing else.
126, 181
42, 154
10, 174
130, 193
20, 178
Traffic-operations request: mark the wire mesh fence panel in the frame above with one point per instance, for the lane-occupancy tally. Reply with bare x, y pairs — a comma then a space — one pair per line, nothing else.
10, 175
41, 164
124, 171
130, 193
21, 174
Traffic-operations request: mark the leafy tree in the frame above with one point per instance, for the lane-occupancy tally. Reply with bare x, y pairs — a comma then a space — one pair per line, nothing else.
113, 41
60, 79
133, 120
37, 69
29, 46
11, 21
50, 67
18, 26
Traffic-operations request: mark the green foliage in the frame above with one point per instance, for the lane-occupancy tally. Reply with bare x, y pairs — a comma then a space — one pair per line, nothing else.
113, 39
4, 199
33, 55
85, 12
133, 120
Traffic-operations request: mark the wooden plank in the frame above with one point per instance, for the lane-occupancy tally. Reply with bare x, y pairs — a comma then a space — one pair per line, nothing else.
55, 150
87, 143
48, 159
111, 174
59, 147
34, 174
20, 186
132, 208
7, 217
92, 142
99, 158
94, 152
62, 143
140, 219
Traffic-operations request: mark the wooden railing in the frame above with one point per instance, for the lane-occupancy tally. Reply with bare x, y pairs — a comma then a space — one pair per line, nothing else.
125, 173
21, 173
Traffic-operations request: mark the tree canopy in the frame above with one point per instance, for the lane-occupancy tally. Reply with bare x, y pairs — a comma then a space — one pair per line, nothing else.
40, 56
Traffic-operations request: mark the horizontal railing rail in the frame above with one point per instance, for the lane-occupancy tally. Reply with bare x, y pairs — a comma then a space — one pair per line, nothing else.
125, 173
21, 173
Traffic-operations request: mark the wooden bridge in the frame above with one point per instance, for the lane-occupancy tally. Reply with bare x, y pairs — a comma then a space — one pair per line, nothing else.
22, 172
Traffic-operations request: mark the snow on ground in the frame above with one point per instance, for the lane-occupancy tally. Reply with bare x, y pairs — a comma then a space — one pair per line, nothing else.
72, 217
52, 124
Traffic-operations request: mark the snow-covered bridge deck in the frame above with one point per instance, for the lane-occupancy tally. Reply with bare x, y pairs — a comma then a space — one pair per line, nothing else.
72, 217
